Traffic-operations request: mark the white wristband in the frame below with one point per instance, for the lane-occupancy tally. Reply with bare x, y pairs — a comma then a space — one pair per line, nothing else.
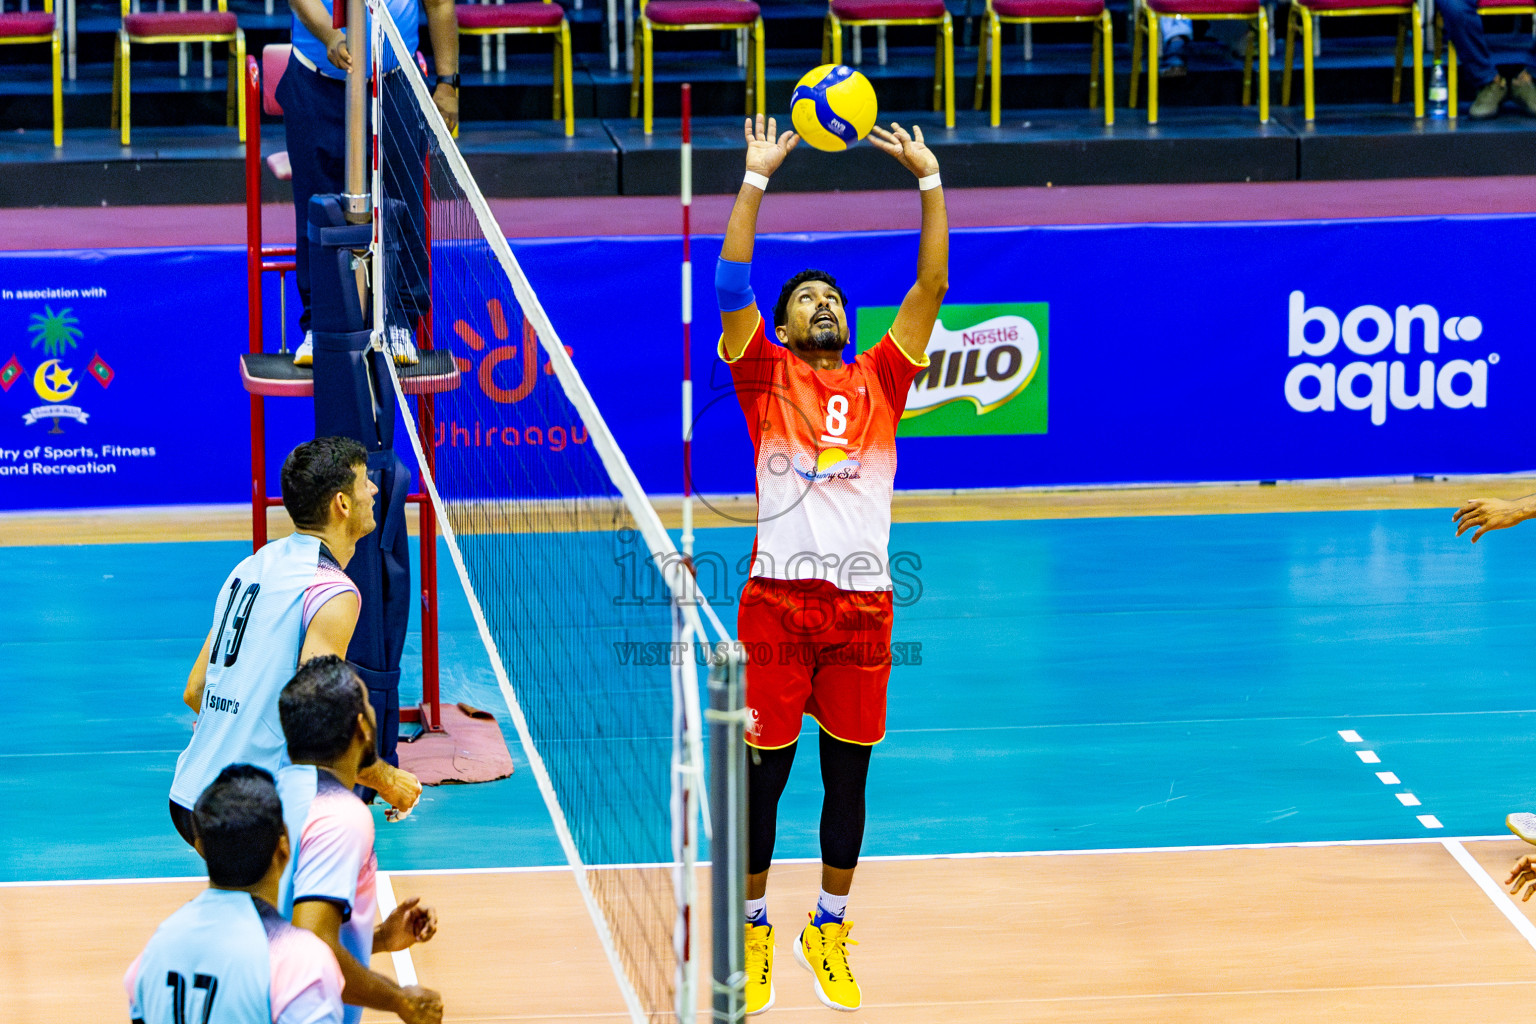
931, 181
758, 180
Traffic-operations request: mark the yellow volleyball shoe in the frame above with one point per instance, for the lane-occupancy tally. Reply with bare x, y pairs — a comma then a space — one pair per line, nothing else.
759, 968
824, 952
1522, 825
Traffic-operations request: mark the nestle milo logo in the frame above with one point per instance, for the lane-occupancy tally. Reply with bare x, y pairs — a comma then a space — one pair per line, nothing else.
985, 365
986, 370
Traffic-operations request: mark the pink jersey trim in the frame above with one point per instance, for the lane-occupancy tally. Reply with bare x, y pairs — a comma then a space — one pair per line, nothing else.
330, 581
130, 981
301, 960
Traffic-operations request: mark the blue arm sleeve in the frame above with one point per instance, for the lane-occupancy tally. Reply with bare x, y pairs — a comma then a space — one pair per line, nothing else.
733, 285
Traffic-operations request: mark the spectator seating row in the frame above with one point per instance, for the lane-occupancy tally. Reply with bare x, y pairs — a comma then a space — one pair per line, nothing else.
40, 28
545, 17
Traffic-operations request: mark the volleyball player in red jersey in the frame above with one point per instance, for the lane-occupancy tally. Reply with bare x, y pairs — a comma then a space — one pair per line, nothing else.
818, 603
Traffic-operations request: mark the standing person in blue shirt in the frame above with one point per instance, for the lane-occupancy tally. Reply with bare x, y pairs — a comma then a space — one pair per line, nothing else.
278, 608
313, 96
228, 957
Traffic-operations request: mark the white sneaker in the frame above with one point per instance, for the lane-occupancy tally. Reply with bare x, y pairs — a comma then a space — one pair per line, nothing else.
304, 355
402, 346
1522, 825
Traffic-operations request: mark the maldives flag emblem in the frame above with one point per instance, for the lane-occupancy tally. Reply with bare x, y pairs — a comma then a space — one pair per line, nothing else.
8, 374
99, 369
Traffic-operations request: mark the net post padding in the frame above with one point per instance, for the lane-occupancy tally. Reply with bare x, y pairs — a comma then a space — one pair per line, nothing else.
727, 718
628, 888
686, 780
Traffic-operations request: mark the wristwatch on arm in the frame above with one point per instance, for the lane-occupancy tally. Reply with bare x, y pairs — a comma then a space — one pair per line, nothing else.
452, 80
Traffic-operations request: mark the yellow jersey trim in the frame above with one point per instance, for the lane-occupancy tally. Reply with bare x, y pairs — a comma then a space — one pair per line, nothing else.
923, 365
720, 345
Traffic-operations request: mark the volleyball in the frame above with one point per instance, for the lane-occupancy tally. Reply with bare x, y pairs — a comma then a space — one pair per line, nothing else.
833, 107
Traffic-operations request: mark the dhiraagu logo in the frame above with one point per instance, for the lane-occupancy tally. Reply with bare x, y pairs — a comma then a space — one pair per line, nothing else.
986, 369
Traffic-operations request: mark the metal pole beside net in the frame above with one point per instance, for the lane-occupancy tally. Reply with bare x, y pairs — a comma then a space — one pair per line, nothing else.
727, 717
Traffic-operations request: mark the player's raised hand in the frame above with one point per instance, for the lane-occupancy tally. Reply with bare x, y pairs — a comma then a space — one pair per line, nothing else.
1489, 514
408, 924
766, 148
909, 150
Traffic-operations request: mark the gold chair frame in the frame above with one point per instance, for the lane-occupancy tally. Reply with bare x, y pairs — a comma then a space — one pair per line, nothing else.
989, 50
564, 101
1149, 23
943, 52
644, 70
234, 109
55, 41
1302, 16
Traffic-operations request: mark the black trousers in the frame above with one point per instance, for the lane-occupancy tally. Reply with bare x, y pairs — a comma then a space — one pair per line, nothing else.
315, 122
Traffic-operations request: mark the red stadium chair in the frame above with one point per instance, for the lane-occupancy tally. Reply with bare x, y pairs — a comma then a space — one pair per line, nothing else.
695, 16
856, 14
205, 26
1484, 7
1038, 12
40, 27
1305, 12
532, 17
1149, 24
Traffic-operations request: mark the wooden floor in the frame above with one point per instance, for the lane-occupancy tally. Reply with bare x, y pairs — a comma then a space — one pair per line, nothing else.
1395, 932
233, 522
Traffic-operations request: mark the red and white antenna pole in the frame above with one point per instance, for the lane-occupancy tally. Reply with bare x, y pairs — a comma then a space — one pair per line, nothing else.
687, 155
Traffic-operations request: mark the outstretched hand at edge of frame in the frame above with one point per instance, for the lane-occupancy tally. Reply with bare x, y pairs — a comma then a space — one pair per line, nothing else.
767, 148
909, 149
1491, 514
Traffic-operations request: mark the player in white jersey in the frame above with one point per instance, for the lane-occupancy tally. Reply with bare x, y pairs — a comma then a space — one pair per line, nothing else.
329, 887
287, 603
816, 613
228, 957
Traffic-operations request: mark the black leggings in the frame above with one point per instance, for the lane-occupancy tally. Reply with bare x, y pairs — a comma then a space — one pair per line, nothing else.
844, 770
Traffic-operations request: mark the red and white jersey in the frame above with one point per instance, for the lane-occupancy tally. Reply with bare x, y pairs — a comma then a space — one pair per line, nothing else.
825, 445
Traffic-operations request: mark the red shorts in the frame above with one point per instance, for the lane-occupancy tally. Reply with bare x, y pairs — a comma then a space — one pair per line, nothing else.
813, 649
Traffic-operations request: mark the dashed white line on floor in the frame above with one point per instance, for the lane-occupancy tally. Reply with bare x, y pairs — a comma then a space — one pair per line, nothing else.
1389, 779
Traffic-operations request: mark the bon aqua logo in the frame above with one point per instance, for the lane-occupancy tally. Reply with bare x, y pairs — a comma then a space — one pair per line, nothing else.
55, 333
986, 373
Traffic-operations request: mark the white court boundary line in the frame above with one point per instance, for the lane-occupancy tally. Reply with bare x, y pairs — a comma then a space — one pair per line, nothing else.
405, 968
1492, 890
888, 858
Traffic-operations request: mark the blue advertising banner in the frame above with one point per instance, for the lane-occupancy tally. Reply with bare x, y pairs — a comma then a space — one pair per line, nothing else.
1064, 355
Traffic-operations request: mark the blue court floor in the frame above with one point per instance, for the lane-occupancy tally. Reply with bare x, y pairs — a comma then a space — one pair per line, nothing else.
1085, 684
